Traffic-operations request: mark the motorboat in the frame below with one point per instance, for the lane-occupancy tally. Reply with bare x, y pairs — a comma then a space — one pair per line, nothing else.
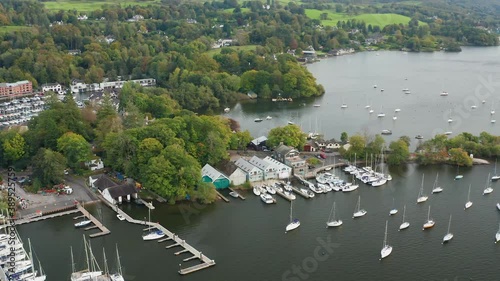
419, 137
153, 235
257, 120
83, 223
394, 118
498, 206
227, 109
307, 192
269, 118
120, 217
234, 194
387, 132
473, 107
256, 190
317, 105
443, 94
270, 190
343, 105
315, 189
378, 182
450, 120
266, 198
349, 188
380, 115
290, 195
371, 111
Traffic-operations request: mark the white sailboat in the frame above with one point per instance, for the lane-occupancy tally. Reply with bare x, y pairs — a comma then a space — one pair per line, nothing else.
421, 197
34, 275
154, 233
294, 223
436, 188
404, 224
495, 175
386, 249
381, 114
488, 188
393, 211
90, 273
497, 236
358, 212
118, 276
468, 204
331, 220
458, 176
430, 222
82, 223
448, 235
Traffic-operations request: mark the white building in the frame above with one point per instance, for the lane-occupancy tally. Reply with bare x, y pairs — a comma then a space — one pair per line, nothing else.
95, 164
282, 170
53, 87
252, 173
111, 191
268, 168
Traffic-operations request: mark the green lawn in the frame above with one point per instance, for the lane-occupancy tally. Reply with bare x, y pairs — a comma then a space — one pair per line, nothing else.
11, 28
213, 52
373, 19
91, 5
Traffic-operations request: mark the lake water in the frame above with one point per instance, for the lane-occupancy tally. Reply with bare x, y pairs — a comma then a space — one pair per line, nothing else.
248, 242
469, 77
247, 238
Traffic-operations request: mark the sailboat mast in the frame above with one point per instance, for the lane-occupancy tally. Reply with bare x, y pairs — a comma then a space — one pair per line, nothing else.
449, 224
72, 260
385, 235
404, 212
429, 213
291, 203
86, 252
106, 270
118, 261
31, 257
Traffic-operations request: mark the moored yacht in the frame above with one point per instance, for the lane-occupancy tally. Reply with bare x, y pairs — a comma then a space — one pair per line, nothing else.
266, 198
430, 222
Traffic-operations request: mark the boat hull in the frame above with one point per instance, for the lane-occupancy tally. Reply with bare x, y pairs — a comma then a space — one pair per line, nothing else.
393, 212
429, 224
422, 199
468, 205
334, 223
437, 190
488, 190
447, 237
386, 251
404, 225
293, 225
497, 237
359, 214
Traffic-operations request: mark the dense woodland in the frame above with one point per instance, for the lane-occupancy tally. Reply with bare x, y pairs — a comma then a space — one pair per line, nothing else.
157, 136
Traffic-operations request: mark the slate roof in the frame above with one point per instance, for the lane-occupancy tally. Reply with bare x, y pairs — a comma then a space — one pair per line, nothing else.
104, 182
122, 190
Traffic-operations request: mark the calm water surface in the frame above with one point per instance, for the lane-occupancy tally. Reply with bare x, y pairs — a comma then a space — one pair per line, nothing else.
247, 238
469, 77
248, 241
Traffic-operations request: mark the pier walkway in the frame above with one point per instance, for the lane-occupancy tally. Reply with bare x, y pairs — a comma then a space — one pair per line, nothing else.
205, 261
96, 222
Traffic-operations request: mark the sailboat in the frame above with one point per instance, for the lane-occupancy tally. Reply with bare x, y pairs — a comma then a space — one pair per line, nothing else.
421, 197
381, 114
331, 220
497, 236
404, 224
358, 212
469, 203
430, 222
118, 276
89, 273
458, 176
393, 211
436, 188
294, 223
154, 233
448, 235
33, 275
488, 188
495, 175
386, 249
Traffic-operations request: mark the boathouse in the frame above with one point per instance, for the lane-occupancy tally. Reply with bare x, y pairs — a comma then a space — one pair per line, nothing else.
236, 175
268, 168
291, 158
112, 191
282, 170
210, 174
252, 172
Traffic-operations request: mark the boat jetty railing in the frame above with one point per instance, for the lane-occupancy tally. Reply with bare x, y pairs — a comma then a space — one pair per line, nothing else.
205, 261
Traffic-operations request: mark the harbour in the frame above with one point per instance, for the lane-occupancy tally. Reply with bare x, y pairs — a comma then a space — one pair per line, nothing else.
242, 234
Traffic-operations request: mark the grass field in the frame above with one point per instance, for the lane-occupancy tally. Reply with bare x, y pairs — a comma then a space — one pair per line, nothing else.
373, 19
11, 28
91, 5
213, 52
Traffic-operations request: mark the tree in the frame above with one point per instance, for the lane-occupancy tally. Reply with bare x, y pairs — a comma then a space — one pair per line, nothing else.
48, 166
75, 148
290, 135
358, 144
459, 157
406, 139
343, 137
240, 140
399, 152
13, 148
313, 161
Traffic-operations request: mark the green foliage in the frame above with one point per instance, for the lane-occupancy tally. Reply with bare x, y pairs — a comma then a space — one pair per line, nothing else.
205, 193
358, 144
399, 152
344, 137
239, 140
75, 148
290, 135
459, 157
313, 161
13, 148
48, 167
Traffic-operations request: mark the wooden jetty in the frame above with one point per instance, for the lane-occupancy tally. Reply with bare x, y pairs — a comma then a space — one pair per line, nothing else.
205, 261
40, 218
300, 192
222, 196
239, 195
97, 223
282, 194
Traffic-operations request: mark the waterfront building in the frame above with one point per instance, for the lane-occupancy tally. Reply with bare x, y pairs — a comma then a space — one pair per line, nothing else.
11, 90
210, 174
291, 157
253, 173
268, 168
